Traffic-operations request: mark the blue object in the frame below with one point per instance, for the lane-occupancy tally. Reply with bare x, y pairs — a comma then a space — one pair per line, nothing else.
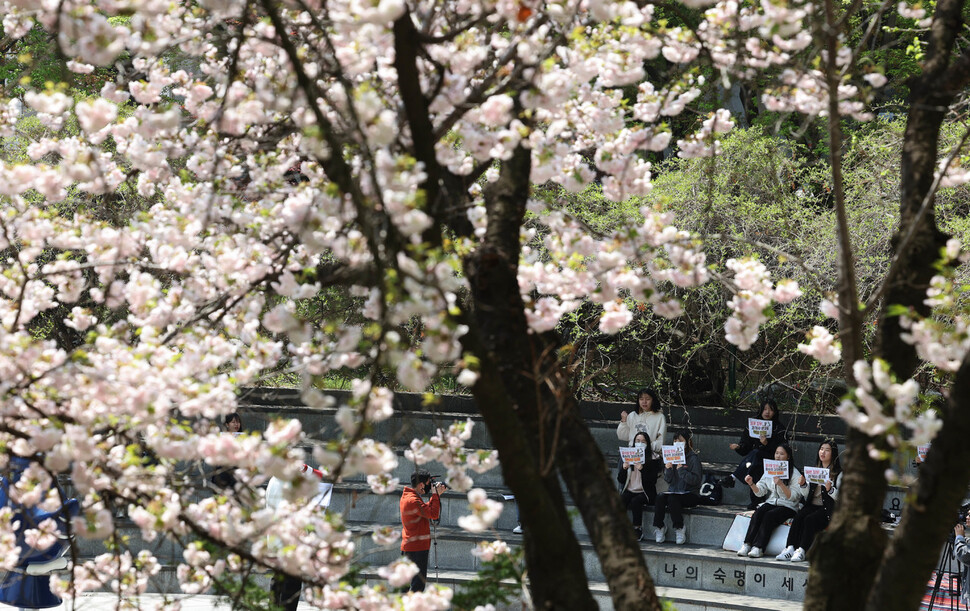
16, 587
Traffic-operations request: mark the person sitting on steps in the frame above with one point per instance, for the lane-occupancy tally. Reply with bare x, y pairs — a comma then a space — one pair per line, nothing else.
755, 451
784, 496
649, 419
634, 493
683, 491
819, 504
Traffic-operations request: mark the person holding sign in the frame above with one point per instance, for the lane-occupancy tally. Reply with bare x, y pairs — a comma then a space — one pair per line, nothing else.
630, 475
755, 449
820, 501
784, 495
683, 489
650, 420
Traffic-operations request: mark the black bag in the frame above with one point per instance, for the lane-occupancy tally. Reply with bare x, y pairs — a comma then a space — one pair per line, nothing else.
711, 491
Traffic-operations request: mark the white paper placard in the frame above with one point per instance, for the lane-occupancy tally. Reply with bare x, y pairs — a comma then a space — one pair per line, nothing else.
816, 475
776, 468
674, 454
756, 427
631, 456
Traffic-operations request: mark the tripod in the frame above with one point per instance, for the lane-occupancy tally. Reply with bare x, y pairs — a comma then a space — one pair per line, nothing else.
949, 567
434, 543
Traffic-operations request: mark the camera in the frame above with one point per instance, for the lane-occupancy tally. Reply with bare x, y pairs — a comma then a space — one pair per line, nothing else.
962, 514
435, 481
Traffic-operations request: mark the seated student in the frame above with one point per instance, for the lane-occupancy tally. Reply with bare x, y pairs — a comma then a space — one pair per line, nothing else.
755, 451
649, 419
634, 492
784, 496
819, 503
683, 491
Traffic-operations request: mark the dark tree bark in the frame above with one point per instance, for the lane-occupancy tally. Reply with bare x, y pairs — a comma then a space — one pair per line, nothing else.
930, 517
523, 394
943, 478
840, 580
508, 401
536, 402
853, 567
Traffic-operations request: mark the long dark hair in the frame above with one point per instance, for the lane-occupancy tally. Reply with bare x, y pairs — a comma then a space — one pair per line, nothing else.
835, 465
774, 408
654, 405
791, 457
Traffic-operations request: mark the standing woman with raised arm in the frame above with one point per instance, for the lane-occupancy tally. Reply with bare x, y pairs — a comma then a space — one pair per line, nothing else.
648, 419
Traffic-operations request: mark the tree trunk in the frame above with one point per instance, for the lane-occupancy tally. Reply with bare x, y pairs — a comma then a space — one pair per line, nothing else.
536, 390
931, 516
591, 487
556, 571
507, 398
854, 543
914, 550
846, 555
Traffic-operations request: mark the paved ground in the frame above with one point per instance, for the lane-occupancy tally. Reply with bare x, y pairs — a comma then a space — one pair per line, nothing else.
107, 602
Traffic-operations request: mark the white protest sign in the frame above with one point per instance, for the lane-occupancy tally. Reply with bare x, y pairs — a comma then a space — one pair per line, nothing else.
816, 475
921, 452
631, 456
674, 454
756, 427
776, 468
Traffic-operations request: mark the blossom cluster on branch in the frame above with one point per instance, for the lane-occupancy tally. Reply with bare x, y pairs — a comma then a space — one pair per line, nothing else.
269, 152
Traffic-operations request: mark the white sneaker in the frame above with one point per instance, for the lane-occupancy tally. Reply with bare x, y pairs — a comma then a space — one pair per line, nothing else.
680, 536
660, 534
786, 554
517, 530
745, 548
46, 568
798, 556
755, 553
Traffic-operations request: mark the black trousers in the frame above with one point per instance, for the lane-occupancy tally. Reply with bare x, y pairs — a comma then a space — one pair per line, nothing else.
648, 476
634, 502
419, 558
810, 521
752, 465
286, 591
675, 503
765, 520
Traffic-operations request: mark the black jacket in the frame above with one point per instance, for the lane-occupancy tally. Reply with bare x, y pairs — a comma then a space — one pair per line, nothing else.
779, 435
644, 473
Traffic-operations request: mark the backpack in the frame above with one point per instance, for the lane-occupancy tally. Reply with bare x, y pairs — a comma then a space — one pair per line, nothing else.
711, 491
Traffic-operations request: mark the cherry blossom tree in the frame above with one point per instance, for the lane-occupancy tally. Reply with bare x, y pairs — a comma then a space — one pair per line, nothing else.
281, 149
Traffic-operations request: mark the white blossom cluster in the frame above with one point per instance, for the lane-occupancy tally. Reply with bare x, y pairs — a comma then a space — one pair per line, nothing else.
213, 273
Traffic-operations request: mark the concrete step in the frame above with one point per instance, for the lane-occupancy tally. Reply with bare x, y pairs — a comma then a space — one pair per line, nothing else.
698, 568
685, 599
677, 415
691, 566
738, 495
714, 428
